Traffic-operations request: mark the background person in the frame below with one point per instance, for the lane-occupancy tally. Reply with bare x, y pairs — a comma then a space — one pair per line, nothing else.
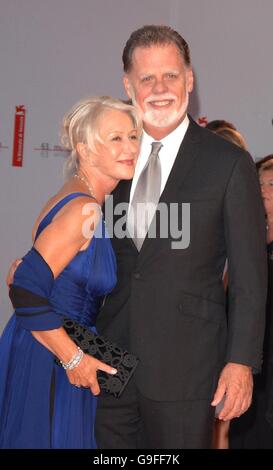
253, 430
228, 131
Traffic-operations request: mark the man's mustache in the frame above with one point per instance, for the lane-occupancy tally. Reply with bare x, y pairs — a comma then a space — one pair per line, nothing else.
160, 98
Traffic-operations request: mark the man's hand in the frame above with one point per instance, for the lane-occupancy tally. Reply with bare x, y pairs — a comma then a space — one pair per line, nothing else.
236, 384
12, 269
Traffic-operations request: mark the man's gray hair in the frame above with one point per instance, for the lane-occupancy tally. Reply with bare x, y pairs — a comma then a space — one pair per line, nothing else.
151, 35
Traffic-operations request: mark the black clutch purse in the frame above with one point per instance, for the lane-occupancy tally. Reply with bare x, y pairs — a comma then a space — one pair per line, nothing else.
106, 351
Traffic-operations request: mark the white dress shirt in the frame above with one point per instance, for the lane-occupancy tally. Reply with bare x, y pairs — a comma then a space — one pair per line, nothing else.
167, 154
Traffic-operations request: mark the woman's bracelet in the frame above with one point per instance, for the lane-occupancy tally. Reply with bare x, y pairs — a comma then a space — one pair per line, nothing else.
74, 361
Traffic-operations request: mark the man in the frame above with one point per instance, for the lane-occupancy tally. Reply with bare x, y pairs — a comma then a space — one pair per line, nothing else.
169, 305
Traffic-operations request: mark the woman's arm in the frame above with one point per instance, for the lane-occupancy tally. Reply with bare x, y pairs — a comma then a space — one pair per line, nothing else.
56, 246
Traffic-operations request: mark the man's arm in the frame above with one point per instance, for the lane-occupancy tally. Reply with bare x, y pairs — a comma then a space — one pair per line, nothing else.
245, 237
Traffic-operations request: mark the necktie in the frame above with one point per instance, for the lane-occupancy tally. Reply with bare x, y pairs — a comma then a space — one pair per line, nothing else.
146, 197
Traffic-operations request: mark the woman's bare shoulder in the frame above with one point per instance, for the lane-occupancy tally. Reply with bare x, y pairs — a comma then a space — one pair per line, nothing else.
68, 188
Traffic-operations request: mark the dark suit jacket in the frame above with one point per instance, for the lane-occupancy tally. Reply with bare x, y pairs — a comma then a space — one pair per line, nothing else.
169, 305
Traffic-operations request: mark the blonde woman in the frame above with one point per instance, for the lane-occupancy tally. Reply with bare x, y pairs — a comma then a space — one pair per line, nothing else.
66, 272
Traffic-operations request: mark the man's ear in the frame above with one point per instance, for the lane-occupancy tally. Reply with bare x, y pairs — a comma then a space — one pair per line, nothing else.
127, 85
189, 80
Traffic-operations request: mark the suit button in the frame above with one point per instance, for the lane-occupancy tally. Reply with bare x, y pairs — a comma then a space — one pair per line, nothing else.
137, 275
180, 306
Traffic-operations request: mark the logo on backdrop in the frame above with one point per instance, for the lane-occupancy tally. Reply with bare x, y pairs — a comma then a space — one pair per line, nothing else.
3, 147
46, 149
202, 121
19, 135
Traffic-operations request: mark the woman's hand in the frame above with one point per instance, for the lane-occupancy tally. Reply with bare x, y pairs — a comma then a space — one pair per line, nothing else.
85, 374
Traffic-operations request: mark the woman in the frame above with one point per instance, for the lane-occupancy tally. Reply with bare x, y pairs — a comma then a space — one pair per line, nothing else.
70, 267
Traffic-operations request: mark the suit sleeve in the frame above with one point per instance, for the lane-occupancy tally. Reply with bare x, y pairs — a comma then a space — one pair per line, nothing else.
244, 221
30, 294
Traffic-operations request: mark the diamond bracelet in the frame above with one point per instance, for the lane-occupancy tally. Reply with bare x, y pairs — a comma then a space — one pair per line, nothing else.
74, 361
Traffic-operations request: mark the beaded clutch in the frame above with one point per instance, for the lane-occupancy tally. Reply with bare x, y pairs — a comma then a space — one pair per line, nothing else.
106, 351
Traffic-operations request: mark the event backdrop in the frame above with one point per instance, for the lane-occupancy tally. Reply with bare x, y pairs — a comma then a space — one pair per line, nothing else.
54, 52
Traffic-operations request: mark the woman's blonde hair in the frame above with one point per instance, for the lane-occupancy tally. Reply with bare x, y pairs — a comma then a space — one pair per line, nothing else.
80, 125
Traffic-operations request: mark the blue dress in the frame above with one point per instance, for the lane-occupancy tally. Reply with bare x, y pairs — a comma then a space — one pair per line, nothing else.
39, 408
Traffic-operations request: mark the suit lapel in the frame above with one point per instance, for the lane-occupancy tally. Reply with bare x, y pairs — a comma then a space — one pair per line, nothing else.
122, 191
122, 195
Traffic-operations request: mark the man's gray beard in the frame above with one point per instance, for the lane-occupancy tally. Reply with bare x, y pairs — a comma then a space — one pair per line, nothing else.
151, 118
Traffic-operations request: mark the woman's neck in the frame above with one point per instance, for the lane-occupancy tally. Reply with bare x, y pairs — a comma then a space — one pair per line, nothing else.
101, 186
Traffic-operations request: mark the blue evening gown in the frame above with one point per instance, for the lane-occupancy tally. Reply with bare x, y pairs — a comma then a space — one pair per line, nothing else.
39, 408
